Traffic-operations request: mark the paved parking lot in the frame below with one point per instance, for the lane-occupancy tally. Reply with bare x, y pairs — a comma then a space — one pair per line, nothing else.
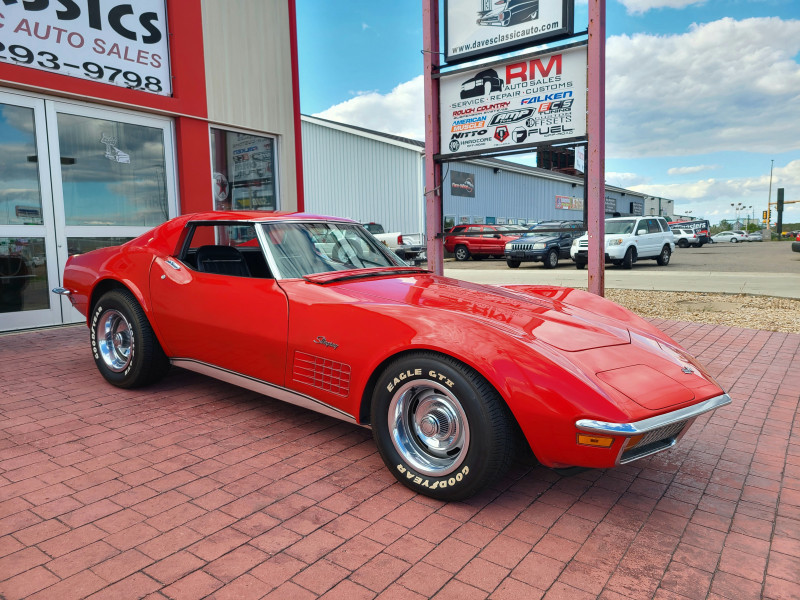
196, 489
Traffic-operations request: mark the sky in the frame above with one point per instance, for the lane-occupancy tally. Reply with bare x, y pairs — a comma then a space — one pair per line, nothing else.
701, 95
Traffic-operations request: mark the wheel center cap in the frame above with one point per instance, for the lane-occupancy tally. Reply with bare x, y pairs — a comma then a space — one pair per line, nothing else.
429, 426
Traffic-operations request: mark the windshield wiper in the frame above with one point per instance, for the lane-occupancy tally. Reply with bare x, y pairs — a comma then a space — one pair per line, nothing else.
335, 276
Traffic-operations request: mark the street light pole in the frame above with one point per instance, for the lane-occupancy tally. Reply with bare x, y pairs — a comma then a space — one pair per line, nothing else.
769, 197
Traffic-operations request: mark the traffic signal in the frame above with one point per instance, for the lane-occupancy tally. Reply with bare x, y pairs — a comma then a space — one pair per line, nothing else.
769, 215
764, 216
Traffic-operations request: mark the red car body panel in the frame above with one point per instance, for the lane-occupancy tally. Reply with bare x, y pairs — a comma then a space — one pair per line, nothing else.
555, 355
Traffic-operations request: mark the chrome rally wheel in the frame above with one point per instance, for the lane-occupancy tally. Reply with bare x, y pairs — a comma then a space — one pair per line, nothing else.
440, 427
429, 428
114, 340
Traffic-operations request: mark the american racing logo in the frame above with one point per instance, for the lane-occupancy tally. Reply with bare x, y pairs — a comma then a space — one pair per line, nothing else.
511, 116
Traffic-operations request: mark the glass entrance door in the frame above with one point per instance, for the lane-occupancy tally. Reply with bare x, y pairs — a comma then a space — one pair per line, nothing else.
28, 257
113, 179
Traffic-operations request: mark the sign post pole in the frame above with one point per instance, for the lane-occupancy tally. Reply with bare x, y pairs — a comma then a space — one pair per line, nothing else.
433, 170
596, 129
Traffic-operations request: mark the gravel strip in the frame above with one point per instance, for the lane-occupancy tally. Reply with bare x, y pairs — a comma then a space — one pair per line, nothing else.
734, 310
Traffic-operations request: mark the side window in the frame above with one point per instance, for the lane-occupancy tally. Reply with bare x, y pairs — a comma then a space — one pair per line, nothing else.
653, 226
225, 249
641, 227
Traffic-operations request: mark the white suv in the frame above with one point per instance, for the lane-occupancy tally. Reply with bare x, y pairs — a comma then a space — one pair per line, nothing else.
629, 239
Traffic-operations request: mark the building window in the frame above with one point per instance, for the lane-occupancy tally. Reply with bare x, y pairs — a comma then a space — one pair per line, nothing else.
244, 171
113, 173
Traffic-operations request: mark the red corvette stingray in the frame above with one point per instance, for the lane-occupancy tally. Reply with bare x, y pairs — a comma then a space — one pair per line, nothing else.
449, 375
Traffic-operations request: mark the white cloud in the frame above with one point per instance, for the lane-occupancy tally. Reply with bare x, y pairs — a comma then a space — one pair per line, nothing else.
400, 112
624, 179
691, 170
635, 7
721, 86
364, 26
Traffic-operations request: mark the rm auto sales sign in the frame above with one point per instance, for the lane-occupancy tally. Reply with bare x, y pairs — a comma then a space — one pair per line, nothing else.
521, 102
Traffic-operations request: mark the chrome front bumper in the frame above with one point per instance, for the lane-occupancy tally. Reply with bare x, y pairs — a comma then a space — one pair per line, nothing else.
654, 434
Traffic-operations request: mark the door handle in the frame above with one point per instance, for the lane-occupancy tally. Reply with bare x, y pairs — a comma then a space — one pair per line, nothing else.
173, 264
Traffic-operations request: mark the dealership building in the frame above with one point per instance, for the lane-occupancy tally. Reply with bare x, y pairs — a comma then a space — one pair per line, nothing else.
118, 115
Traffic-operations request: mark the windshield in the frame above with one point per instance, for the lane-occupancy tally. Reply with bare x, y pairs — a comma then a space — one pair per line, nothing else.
616, 227
535, 230
305, 248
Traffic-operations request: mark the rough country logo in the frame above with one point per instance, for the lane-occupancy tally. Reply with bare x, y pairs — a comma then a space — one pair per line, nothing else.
501, 133
511, 116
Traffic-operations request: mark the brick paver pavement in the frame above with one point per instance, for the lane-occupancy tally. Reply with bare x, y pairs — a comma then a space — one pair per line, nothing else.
196, 489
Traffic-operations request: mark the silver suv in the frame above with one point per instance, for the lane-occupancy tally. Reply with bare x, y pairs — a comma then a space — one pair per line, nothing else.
629, 239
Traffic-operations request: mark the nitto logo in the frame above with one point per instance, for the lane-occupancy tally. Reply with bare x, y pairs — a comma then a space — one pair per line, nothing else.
501, 133
511, 116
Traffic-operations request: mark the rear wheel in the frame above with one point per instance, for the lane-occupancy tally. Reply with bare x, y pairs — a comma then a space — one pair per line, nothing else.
629, 258
441, 429
663, 258
682, 244
462, 253
551, 260
734, 240
580, 264
125, 348
513, 263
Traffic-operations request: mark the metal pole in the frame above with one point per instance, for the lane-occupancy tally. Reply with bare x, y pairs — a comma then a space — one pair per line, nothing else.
433, 170
769, 198
596, 128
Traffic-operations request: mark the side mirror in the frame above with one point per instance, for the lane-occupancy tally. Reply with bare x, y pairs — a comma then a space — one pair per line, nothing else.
641, 231
497, 235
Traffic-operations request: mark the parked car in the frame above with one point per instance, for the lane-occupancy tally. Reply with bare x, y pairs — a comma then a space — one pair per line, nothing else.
685, 238
629, 239
796, 244
479, 241
755, 236
730, 236
412, 253
449, 375
542, 245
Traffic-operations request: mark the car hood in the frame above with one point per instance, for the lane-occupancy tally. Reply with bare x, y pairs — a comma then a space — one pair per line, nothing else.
538, 238
527, 316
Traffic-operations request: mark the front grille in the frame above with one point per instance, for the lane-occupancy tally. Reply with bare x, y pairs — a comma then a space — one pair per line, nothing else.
654, 441
583, 243
522, 247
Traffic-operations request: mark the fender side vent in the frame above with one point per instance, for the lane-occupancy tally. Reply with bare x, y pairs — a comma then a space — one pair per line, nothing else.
322, 373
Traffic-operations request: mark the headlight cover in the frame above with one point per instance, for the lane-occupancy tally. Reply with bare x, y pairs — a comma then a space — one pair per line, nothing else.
615, 242
508, 247
539, 246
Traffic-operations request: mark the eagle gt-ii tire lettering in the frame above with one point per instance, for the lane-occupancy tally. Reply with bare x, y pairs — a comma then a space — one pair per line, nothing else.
124, 346
441, 429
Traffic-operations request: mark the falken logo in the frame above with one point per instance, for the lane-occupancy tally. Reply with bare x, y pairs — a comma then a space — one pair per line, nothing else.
511, 116
501, 133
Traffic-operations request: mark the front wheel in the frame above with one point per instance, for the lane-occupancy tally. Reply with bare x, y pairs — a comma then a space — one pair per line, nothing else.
462, 253
125, 348
663, 258
629, 258
580, 264
551, 260
441, 429
513, 264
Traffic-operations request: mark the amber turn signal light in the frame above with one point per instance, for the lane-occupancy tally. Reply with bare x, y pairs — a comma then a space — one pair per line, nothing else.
595, 440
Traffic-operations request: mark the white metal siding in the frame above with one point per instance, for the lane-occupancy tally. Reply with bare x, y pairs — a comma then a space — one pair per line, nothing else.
360, 178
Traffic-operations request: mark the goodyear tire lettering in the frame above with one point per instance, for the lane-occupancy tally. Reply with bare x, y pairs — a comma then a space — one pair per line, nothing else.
419, 480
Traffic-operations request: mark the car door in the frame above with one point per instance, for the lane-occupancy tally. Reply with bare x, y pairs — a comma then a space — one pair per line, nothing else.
238, 323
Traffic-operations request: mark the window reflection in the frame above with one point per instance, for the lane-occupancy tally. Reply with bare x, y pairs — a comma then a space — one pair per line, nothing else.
82, 245
244, 171
23, 275
20, 197
113, 173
